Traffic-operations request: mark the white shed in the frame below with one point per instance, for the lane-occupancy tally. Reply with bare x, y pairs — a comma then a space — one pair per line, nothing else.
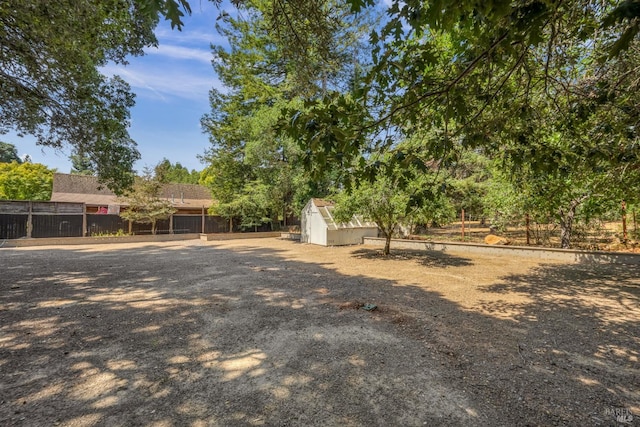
318, 226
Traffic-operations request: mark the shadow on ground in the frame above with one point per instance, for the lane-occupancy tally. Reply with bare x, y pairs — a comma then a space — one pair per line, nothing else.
198, 335
426, 258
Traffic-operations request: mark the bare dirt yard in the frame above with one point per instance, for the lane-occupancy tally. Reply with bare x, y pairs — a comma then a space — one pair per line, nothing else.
271, 332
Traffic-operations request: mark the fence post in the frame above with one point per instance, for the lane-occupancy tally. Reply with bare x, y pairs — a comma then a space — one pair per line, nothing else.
527, 219
30, 220
462, 215
203, 220
84, 220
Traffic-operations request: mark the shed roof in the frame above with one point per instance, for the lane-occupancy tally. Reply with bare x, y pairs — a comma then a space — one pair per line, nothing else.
87, 189
321, 202
325, 208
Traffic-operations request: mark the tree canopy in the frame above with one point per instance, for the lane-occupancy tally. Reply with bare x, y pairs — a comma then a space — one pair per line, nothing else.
144, 204
167, 172
25, 181
9, 153
81, 164
547, 90
254, 171
51, 86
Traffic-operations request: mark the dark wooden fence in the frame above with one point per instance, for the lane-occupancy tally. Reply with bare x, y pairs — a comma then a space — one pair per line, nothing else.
56, 225
101, 224
19, 219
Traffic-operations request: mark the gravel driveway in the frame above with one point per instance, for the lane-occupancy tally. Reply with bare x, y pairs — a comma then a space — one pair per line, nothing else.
271, 332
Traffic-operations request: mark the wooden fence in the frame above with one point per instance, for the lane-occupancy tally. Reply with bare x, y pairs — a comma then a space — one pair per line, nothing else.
20, 219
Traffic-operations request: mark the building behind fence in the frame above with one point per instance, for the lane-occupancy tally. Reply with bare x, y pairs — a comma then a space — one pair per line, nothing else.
20, 219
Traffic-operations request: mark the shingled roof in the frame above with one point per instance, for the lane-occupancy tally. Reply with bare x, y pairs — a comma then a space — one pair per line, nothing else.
87, 189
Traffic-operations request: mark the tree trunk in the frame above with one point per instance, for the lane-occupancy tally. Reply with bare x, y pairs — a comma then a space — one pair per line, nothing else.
153, 228
566, 227
387, 244
566, 221
284, 216
388, 234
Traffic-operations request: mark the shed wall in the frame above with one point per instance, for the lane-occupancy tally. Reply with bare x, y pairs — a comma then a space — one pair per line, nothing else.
349, 236
313, 228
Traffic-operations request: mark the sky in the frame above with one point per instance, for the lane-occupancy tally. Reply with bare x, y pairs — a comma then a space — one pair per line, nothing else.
172, 84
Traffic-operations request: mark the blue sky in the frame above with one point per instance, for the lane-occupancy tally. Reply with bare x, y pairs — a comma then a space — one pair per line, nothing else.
171, 84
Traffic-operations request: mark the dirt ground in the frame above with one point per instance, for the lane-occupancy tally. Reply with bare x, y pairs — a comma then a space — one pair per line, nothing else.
271, 332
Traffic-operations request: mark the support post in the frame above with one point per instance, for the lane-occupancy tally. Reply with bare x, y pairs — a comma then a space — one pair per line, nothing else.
84, 220
527, 222
203, 220
624, 222
30, 220
462, 215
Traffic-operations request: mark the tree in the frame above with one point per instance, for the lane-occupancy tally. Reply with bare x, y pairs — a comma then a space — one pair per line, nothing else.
469, 177
263, 78
471, 75
253, 206
167, 172
8, 153
454, 52
548, 90
25, 181
144, 204
81, 164
574, 148
405, 189
378, 202
51, 86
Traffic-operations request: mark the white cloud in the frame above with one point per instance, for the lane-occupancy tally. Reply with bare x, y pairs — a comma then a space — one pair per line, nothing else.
181, 53
166, 82
189, 37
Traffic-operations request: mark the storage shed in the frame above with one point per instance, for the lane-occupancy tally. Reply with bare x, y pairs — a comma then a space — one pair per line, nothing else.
319, 227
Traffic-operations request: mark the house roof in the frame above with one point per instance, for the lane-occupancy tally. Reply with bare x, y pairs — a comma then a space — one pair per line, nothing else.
87, 189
